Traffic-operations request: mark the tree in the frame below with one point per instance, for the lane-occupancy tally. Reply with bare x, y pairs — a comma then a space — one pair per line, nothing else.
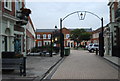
79, 35
86, 36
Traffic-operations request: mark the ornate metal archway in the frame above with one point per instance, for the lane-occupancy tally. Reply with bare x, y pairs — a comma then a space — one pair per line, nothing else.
82, 17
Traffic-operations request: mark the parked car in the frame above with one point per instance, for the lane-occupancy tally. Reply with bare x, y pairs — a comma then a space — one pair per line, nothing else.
93, 47
89, 45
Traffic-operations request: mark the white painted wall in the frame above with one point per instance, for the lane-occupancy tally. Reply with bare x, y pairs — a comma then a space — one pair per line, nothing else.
71, 42
119, 4
30, 40
96, 35
0, 31
6, 29
30, 29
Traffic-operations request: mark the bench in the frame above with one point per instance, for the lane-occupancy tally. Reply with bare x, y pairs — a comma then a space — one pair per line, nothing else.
13, 64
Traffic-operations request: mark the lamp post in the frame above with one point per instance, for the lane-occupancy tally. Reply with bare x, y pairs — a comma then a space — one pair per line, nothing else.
51, 46
61, 40
52, 41
101, 42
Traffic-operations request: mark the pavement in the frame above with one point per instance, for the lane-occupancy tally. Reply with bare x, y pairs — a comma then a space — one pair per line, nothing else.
37, 67
113, 59
84, 65
80, 64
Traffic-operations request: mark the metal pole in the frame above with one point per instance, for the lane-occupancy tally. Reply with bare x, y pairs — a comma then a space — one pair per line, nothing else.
112, 40
51, 47
24, 58
61, 41
24, 71
102, 51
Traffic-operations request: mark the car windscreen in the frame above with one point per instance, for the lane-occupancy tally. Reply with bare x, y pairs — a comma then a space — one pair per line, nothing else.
96, 45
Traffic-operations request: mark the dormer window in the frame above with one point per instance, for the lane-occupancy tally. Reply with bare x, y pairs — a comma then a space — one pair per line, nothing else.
8, 4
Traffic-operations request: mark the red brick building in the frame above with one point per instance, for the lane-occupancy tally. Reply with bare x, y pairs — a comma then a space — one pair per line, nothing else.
43, 37
67, 41
95, 36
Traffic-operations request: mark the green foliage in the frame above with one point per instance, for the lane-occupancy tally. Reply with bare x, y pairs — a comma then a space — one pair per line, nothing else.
45, 48
85, 36
79, 35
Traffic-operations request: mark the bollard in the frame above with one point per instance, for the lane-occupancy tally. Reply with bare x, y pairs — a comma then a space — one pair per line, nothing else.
96, 51
24, 71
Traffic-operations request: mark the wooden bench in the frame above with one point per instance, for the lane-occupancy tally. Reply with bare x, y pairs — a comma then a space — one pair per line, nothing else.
13, 64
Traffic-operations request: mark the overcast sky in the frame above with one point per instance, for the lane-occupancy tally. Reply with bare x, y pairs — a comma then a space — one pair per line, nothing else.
47, 14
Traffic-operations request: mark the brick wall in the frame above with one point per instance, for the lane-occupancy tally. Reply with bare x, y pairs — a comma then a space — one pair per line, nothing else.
115, 8
4, 10
65, 31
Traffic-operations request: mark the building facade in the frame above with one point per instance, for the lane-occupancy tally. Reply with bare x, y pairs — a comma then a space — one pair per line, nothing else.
67, 41
114, 29
7, 26
13, 26
95, 35
43, 37
30, 35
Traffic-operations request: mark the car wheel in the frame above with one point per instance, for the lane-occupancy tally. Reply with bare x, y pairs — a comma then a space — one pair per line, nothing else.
92, 50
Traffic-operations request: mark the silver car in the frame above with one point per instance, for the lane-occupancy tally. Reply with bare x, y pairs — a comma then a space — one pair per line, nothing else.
93, 47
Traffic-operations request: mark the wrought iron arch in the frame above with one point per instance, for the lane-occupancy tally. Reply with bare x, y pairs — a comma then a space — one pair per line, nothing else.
101, 52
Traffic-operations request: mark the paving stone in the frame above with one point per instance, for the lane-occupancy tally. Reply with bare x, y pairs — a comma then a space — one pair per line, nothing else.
84, 65
37, 66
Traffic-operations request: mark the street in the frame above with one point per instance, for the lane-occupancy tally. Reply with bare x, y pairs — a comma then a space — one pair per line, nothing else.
84, 65
57, 40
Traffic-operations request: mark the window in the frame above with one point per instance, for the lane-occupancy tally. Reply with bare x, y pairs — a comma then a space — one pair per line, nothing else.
44, 36
18, 4
67, 36
47, 43
49, 36
38, 36
39, 43
8, 4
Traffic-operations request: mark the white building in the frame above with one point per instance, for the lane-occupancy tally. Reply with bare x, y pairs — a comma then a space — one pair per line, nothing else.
12, 33
7, 20
30, 35
114, 29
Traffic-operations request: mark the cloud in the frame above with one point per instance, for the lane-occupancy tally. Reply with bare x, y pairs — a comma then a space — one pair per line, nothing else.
67, 0
47, 15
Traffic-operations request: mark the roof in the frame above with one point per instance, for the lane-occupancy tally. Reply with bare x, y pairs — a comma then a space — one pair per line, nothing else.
86, 29
45, 30
52, 30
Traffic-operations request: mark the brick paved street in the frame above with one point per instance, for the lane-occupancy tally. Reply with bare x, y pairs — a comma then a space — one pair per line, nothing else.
84, 65
37, 66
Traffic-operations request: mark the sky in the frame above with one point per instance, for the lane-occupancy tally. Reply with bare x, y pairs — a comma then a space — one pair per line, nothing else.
46, 14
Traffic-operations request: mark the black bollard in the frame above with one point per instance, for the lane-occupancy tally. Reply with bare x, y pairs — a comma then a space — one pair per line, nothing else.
24, 71
96, 51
